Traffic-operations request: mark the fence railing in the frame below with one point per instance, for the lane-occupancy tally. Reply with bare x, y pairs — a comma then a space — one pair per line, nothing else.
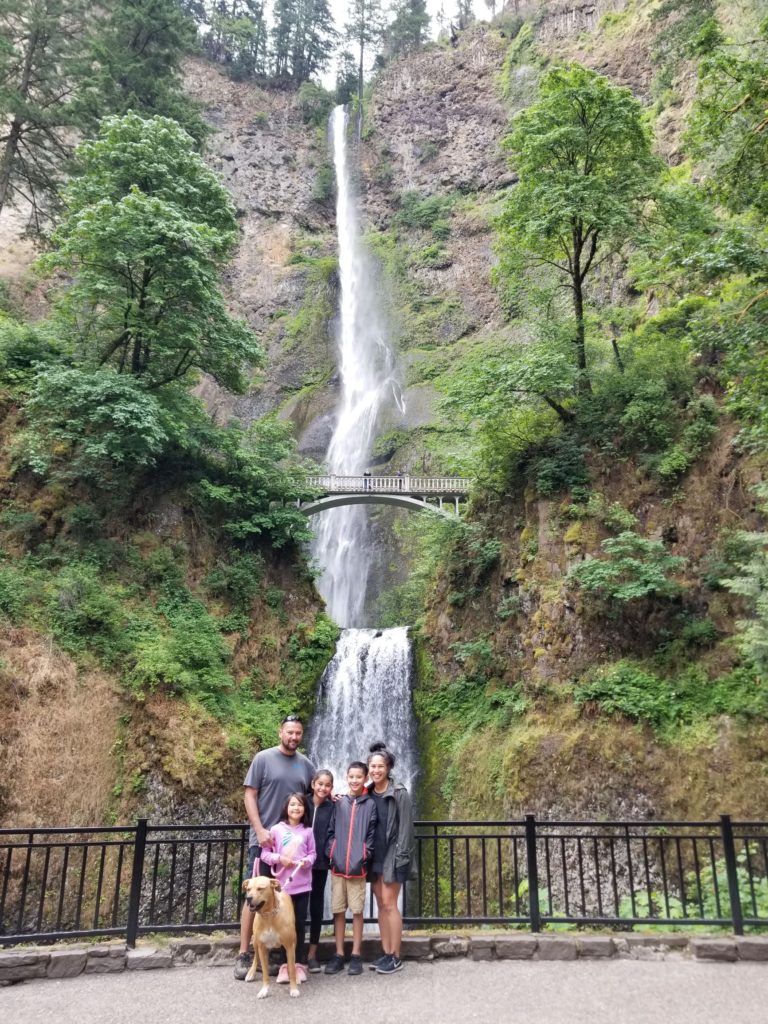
128, 881
403, 484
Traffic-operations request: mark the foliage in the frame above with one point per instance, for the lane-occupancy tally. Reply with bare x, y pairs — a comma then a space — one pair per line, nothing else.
87, 424
41, 41
637, 691
409, 28
145, 260
133, 63
634, 567
751, 583
250, 488
314, 103
728, 124
419, 211
586, 173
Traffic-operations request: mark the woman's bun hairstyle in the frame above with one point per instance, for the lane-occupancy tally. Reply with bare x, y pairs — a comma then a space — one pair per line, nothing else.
380, 748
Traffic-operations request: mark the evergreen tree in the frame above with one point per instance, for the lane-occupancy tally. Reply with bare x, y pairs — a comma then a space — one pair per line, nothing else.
464, 14
364, 31
135, 63
40, 43
315, 39
238, 36
409, 27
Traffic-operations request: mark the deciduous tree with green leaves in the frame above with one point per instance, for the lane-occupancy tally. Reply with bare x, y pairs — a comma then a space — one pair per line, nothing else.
147, 229
586, 174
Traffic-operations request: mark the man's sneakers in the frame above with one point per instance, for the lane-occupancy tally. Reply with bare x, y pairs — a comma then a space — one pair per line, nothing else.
335, 965
242, 965
355, 965
379, 960
389, 964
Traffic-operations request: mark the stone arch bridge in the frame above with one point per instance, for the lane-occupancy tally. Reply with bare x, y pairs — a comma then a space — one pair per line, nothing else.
441, 494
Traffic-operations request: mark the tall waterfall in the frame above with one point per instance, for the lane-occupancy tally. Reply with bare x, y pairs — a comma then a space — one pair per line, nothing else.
365, 692
367, 371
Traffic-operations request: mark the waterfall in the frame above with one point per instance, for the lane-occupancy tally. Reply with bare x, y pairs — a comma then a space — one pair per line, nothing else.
365, 692
365, 695
368, 377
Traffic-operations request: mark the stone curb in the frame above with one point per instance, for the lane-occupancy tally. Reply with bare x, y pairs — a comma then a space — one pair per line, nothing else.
68, 961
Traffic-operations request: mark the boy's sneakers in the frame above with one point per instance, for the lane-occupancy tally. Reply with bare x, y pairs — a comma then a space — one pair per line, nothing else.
390, 965
335, 965
379, 960
355, 965
243, 965
313, 966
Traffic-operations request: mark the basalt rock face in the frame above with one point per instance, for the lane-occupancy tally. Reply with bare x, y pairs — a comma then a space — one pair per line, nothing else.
270, 160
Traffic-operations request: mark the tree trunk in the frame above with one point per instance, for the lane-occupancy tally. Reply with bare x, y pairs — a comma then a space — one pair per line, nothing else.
565, 414
584, 384
14, 134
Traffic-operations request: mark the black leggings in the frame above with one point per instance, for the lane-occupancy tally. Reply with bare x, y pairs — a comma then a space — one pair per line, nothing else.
316, 904
300, 904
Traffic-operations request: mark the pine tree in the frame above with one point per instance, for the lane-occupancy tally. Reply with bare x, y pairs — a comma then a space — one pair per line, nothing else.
314, 40
409, 28
40, 43
365, 31
135, 63
237, 36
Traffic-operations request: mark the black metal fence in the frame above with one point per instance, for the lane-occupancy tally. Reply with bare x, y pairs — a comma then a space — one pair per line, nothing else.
67, 883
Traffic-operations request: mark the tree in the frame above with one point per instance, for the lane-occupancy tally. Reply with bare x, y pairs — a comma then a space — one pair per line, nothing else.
146, 231
364, 31
238, 36
409, 28
583, 155
40, 42
729, 123
135, 63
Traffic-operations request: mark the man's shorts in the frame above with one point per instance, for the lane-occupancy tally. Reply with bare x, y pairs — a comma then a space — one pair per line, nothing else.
264, 869
347, 894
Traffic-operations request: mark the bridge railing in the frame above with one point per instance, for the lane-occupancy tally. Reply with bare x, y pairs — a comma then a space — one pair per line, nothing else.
404, 484
127, 881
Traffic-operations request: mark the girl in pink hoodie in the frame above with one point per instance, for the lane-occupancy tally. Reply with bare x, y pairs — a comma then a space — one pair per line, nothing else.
292, 854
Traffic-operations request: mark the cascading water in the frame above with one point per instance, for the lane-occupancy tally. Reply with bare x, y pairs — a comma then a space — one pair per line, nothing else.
365, 695
367, 371
365, 692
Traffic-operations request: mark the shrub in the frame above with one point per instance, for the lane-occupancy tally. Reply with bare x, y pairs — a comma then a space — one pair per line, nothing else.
104, 421
560, 466
85, 615
634, 568
417, 211
238, 579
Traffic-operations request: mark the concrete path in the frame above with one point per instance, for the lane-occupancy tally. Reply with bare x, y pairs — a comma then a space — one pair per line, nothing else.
443, 992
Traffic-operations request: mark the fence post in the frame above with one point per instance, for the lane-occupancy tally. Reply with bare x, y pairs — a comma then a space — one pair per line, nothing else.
533, 873
137, 872
729, 850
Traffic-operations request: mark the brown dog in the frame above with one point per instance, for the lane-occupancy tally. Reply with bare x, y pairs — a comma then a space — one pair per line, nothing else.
273, 925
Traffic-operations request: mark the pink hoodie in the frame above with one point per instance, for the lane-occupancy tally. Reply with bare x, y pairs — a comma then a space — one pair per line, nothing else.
298, 843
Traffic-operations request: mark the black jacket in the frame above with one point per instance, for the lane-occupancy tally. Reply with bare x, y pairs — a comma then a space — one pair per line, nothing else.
321, 820
350, 835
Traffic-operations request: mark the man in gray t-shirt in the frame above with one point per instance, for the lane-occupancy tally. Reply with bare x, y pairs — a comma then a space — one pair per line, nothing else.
273, 775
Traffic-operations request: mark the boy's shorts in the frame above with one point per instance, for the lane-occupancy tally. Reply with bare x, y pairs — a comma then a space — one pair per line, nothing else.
347, 894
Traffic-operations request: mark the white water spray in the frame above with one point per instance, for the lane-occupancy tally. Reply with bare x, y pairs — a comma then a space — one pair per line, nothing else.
365, 692
365, 695
367, 371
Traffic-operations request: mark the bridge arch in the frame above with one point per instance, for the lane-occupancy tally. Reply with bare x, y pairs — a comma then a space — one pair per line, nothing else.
311, 508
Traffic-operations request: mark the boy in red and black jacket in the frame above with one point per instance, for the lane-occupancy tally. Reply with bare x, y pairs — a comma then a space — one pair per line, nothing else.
350, 845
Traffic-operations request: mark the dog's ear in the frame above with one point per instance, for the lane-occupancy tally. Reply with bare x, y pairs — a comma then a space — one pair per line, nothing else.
245, 885
276, 885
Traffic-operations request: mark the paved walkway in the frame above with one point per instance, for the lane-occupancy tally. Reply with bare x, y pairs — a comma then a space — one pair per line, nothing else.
443, 992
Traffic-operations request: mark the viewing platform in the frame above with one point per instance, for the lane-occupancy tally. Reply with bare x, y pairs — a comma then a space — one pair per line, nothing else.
441, 494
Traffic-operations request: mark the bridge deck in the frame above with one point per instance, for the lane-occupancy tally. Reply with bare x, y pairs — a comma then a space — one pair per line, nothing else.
405, 484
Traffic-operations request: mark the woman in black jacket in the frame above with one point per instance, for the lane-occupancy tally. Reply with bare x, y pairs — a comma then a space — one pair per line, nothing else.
393, 853
322, 810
